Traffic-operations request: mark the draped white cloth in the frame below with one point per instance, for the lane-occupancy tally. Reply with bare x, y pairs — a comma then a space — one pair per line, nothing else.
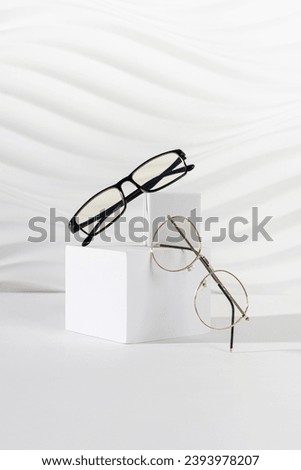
91, 88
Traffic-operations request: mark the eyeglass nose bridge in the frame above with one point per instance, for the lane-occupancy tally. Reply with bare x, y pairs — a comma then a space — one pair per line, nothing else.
127, 179
131, 195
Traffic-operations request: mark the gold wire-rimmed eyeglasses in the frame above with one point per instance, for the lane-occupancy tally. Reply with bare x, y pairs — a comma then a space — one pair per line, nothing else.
170, 254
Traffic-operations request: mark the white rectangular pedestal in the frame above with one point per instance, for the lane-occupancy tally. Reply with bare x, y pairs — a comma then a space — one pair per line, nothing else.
120, 294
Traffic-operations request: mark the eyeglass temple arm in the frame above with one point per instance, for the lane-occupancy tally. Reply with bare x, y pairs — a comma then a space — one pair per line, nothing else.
205, 263
130, 197
221, 286
209, 268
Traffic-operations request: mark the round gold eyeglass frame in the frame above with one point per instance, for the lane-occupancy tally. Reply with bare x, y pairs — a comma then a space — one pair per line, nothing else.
203, 284
211, 272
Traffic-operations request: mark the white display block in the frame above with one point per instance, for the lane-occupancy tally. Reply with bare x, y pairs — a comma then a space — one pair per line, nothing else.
143, 215
120, 294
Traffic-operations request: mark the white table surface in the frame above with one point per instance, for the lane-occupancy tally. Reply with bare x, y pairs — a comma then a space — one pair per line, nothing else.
61, 390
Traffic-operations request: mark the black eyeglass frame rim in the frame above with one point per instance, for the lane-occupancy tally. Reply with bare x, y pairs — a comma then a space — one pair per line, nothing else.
75, 227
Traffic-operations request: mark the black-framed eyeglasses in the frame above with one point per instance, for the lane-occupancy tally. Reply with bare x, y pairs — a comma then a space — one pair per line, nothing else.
106, 206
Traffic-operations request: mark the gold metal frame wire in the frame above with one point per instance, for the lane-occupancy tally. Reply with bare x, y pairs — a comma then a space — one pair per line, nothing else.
203, 284
205, 262
197, 252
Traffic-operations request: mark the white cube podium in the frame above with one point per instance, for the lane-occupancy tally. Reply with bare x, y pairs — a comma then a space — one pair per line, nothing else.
114, 290
120, 294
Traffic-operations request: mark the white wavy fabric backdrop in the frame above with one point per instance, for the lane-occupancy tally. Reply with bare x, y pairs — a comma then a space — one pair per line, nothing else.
91, 88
